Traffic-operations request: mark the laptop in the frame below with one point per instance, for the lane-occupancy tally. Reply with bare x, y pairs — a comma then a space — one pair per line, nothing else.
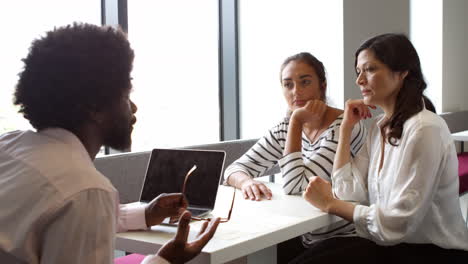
166, 173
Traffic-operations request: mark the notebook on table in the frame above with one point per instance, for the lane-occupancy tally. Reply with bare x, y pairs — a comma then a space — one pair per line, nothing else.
167, 169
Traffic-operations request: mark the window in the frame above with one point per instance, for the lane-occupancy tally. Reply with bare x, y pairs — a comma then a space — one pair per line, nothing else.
427, 37
24, 21
175, 73
271, 31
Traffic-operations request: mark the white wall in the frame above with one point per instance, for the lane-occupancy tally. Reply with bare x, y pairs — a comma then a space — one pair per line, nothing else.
439, 33
364, 19
455, 56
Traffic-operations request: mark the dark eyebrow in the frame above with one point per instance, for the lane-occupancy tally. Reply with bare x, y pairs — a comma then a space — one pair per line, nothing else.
300, 77
305, 75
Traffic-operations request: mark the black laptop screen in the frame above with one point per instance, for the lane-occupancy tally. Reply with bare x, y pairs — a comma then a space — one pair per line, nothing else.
167, 169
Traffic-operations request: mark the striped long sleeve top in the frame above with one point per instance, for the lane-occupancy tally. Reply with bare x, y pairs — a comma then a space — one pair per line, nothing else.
316, 158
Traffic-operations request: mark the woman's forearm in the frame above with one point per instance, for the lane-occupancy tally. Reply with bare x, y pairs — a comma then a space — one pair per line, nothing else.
342, 209
343, 150
294, 137
237, 178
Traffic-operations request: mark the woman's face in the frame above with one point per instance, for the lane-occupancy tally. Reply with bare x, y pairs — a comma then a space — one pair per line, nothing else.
379, 85
300, 84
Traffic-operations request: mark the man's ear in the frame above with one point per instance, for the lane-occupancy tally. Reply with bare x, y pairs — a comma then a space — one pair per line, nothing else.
97, 117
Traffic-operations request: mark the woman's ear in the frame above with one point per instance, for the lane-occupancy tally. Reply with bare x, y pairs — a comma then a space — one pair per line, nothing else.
403, 75
323, 90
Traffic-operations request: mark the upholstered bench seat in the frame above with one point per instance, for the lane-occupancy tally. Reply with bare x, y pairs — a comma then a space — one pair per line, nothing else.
463, 171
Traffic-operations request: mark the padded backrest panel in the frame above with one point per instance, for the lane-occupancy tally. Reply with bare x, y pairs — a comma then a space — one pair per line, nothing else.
127, 171
234, 150
456, 121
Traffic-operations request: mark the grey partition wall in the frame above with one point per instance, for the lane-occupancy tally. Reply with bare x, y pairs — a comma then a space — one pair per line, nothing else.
456, 121
127, 171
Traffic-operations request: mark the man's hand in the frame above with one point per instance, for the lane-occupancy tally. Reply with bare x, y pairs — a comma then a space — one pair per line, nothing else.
165, 205
254, 190
178, 250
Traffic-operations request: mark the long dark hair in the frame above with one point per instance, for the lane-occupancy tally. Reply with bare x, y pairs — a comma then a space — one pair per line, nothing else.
397, 52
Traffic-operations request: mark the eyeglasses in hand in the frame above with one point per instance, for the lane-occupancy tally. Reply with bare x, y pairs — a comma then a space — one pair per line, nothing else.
222, 220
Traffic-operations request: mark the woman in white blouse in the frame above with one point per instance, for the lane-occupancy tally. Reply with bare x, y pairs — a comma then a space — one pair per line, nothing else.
401, 189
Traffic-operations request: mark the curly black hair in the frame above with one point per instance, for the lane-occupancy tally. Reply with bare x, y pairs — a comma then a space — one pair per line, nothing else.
72, 72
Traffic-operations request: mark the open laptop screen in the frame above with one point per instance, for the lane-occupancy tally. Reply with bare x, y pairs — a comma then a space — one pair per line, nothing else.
167, 169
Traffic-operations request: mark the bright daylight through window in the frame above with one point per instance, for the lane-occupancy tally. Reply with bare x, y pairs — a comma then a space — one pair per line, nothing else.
175, 73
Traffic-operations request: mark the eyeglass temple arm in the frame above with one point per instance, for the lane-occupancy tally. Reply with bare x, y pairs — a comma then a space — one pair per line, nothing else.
232, 204
186, 178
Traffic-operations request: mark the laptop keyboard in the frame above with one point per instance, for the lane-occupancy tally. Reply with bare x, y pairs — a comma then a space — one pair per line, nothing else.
197, 212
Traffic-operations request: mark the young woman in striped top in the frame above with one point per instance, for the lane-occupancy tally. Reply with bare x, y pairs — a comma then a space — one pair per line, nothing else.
303, 144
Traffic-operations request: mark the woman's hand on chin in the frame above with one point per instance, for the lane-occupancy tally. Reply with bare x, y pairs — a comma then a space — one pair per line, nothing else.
355, 110
312, 112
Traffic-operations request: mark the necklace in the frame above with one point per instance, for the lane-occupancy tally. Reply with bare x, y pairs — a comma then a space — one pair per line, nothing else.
319, 128
312, 139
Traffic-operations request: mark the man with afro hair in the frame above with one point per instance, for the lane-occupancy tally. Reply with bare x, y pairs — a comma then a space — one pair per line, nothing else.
56, 207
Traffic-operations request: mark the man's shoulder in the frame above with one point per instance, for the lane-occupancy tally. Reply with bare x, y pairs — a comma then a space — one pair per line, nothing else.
32, 190
12, 139
51, 163
84, 178
60, 179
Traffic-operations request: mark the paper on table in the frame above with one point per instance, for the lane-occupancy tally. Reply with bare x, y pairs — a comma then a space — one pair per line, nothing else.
240, 229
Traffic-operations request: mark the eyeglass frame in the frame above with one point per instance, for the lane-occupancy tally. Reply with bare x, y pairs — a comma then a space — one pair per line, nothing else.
222, 220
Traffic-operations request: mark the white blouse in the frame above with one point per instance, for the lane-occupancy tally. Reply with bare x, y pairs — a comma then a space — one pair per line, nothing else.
414, 197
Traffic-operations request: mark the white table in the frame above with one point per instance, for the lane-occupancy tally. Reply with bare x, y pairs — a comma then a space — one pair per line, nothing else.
249, 237
461, 136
